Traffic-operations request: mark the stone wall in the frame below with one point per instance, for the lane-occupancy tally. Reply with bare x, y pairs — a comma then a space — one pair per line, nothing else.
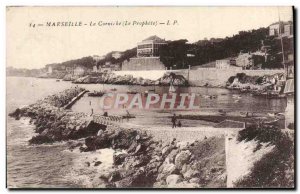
144, 63
201, 77
214, 77
153, 74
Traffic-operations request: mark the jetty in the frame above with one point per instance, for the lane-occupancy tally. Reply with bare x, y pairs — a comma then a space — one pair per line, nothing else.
75, 99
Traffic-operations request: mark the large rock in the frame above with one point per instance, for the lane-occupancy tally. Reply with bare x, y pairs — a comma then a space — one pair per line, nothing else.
114, 176
40, 139
137, 179
167, 149
99, 142
182, 158
195, 180
172, 155
185, 184
182, 145
173, 179
190, 173
119, 158
165, 170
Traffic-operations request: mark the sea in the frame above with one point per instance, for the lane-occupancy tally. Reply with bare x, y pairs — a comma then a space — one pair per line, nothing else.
55, 166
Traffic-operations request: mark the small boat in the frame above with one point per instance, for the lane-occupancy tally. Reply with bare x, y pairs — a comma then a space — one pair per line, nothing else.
113, 89
128, 116
206, 96
213, 96
236, 96
132, 92
172, 89
58, 80
96, 94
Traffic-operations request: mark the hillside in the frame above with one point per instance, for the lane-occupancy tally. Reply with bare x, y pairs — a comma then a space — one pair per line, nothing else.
205, 51
179, 54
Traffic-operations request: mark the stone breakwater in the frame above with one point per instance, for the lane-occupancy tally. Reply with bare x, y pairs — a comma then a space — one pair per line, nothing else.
53, 122
139, 160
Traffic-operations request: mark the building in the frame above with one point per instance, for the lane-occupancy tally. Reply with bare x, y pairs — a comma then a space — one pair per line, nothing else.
226, 64
79, 70
223, 64
95, 68
281, 28
147, 56
49, 69
115, 67
117, 55
288, 29
150, 47
105, 69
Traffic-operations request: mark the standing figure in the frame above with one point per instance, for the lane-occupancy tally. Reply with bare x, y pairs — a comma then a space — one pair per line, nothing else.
179, 124
174, 119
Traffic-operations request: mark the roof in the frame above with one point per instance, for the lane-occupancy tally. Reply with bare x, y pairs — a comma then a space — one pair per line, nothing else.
155, 38
288, 22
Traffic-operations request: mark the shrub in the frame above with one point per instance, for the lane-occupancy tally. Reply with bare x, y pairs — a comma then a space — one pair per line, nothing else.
231, 79
275, 169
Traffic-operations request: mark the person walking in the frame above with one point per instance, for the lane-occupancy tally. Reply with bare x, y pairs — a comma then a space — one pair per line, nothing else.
174, 119
179, 124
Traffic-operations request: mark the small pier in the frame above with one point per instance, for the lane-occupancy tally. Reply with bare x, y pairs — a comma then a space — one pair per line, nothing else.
72, 102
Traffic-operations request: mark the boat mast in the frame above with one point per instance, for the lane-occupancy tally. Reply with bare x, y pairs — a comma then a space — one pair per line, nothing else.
282, 49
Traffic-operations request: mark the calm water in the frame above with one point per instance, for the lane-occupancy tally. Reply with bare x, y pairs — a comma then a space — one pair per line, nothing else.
53, 166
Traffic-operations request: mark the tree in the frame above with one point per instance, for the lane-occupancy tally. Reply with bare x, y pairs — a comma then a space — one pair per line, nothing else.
174, 53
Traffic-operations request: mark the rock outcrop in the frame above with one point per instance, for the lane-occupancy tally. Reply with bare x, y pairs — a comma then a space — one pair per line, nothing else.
54, 123
176, 80
111, 78
148, 163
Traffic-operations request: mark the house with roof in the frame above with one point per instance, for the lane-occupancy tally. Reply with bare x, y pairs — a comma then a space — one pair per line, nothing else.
147, 55
150, 46
281, 28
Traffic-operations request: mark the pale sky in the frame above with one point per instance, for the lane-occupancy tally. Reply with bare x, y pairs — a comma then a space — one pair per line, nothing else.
29, 47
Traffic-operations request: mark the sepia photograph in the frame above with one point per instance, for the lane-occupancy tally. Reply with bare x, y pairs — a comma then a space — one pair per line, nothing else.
150, 97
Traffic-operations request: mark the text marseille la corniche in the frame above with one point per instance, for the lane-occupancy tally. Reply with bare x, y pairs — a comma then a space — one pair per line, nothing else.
110, 23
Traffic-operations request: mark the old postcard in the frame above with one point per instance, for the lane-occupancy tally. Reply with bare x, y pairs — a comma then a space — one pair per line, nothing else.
150, 97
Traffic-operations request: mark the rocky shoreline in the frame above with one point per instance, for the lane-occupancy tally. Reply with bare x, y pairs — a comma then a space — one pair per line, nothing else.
111, 78
53, 122
143, 162
257, 85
